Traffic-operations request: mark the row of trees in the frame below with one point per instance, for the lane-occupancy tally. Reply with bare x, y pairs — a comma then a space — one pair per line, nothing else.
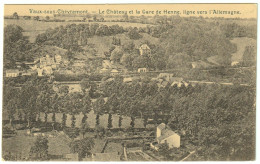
218, 119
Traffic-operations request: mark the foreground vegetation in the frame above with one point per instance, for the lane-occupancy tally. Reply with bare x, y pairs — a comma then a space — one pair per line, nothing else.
219, 120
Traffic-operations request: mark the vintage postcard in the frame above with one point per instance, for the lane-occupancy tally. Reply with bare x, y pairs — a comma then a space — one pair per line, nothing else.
129, 82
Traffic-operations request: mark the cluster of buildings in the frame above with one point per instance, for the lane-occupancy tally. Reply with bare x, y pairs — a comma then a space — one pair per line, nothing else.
48, 64
43, 66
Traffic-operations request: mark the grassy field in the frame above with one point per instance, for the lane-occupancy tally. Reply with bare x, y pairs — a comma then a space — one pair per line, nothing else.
32, 28
21, 144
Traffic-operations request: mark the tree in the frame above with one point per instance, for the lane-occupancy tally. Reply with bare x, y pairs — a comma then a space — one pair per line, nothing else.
164, 150
109, 125
15, 15
142, 61
249, 56
84, 128
41, 38
133, 34
99, 105
129, 47
82, 147
11, 108
36, 18
116, 54
86, 107
127, 60
39, 151
74, 104
10, 101
47, 18
120, 121
132, 123
145, 121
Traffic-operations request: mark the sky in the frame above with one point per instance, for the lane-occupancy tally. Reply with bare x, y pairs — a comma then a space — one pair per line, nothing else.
245, 10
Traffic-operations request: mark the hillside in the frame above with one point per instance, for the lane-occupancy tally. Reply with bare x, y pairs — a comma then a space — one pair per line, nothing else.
241, 44
32, 28
47, 50
103, 43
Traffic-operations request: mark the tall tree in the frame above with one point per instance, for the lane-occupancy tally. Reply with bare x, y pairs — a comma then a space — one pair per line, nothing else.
39, 151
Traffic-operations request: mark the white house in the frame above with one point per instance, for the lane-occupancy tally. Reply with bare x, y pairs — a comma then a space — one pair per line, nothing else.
12, 73
166, 135
142, 70
144, 49
40, 72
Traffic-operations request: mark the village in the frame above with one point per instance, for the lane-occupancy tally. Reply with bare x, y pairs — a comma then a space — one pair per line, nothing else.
140, 145
127, 88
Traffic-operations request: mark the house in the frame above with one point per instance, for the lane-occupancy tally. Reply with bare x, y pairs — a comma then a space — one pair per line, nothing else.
142, 70
44, 71
145, 49
12, 73
40, 72
165, 135
57, 58
48, 70
165, 76
127, 80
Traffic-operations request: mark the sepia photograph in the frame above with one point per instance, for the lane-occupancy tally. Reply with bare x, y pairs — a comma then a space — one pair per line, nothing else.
129, 82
